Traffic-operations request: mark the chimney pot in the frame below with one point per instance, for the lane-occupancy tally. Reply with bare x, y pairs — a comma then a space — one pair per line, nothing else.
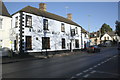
69, 16
42, 6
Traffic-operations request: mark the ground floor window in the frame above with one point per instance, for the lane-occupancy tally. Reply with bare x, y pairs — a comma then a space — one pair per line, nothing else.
28, 42
76, 43
1, 43
45, 43
63, 43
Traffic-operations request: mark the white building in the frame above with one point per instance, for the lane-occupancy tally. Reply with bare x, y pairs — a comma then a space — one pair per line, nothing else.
85, 39
5, 26
37, 30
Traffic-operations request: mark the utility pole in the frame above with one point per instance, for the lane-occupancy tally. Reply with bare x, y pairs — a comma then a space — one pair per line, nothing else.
89, 27
66, 9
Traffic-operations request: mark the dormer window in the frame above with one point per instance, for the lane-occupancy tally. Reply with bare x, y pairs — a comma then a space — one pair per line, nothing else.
1, 23
45, 24
28, 21
62, 27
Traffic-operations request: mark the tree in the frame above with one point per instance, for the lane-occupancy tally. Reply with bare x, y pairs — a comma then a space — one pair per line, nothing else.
105, 29
118, 27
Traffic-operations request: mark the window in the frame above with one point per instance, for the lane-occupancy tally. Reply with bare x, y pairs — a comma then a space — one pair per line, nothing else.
62, 27
16, 22
76, 43
108, 38
76, 30
1, 23
72, 32
28, 43
45, 43
63, 43
28, 21
45, 24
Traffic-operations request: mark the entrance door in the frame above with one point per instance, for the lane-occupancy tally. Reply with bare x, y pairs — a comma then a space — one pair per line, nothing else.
28, 43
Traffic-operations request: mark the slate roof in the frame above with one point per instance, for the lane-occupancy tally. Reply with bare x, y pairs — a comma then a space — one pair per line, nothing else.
46, 14
4, 11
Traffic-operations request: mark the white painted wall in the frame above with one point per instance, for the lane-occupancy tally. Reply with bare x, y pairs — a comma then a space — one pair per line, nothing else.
54, 26
5, 32
106, 35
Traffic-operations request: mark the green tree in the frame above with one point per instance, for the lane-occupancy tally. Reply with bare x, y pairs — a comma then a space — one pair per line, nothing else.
105, 29
118, 27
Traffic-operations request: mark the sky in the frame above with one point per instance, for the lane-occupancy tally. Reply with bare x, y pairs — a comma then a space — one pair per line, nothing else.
89, 15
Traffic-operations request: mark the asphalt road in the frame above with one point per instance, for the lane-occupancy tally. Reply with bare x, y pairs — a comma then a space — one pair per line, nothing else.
73, 66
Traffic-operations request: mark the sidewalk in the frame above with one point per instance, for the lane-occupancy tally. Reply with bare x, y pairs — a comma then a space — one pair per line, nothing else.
6, 60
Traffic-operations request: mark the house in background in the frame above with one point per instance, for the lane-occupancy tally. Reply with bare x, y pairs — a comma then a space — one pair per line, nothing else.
95, 38
37, 30
5, 26
109, 38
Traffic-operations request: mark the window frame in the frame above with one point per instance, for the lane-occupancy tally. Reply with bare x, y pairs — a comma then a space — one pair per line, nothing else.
45, 42
76, 43
1, 21
45, 24
62, 27
63, 43
16, 21
30, 24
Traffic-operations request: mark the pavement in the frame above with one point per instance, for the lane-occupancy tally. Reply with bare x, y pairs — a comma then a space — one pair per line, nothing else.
6, 60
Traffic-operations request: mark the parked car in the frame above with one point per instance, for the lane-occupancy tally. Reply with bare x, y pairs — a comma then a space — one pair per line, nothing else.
101, 45
93, 49
118, 46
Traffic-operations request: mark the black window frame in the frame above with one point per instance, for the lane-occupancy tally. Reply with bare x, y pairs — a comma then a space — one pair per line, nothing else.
72, 32
45, 42
62, 27
45, 24
63, 43
16, 21
76, 43
28, 16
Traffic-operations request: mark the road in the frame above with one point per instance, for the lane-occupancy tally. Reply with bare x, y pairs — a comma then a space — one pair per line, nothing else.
72, 66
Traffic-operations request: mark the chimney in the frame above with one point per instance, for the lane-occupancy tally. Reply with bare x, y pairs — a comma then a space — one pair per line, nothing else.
69, 16
42, 6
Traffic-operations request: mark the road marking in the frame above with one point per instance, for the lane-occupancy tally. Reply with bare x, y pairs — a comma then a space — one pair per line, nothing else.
92, 71
85, 76
95, 66
102, 62
73, 77
90, 68
79, 74
98, 64
86, 71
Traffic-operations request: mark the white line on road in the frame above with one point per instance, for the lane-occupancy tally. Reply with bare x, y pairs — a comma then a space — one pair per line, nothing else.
92, 71
79, 74
95, 66
86, 70
85, 76
98, 64
90, 68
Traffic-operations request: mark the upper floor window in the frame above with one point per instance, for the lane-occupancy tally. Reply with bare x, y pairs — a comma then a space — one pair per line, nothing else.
108, 38
16, 22
76, 30
1, 23
72, 32
63, 27
45, 24
28, 21
104, 38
